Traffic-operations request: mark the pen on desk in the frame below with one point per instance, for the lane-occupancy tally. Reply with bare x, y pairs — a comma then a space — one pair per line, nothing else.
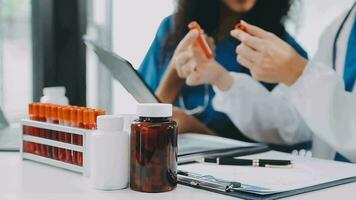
249, 162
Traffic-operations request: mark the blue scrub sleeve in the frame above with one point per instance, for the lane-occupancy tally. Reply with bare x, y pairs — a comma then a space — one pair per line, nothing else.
151, 67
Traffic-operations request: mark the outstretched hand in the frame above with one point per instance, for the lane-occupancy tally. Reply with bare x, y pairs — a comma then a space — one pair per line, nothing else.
269, 58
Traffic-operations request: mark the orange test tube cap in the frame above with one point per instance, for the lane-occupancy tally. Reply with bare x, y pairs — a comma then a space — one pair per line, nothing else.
91, 116
80, 115
48, 109
86, 116
66, 113
30, 109
74, 116
42, 110
35, 110
54, 112
60, 113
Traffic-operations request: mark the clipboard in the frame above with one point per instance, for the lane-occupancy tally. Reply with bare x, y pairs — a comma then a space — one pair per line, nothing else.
307, 175
250, 196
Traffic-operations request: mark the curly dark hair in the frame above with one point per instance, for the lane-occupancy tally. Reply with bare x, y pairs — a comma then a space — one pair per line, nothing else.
267, 14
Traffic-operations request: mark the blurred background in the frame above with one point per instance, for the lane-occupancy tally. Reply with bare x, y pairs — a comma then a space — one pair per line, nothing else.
41, 45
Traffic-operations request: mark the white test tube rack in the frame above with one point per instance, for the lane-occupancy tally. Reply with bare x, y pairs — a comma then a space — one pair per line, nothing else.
54, 143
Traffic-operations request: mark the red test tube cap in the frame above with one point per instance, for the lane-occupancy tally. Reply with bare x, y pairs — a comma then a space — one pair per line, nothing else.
194, 25
241, 27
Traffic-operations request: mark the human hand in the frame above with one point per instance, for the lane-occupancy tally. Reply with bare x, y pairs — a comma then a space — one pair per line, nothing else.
269, 58
189, 55
192, 64
184, 58
210, 73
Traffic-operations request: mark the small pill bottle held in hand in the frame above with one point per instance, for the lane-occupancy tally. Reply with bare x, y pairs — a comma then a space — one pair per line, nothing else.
109, 153
153, 155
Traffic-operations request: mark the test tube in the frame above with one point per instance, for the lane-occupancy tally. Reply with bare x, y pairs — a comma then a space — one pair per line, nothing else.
42, 112
74, 116
67, 136
85, 118
60, 115
31, 111
61, 135
48, 133
48, 115
74, 123
201, 40
42, 132
54, 136
35, 116
91, 119
80, 117
80, 137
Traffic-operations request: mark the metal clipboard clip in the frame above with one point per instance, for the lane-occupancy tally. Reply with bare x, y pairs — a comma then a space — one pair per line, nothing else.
207, 181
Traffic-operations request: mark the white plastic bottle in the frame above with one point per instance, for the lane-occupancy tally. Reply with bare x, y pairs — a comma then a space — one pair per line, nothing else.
55, 95
129, 118
110, 154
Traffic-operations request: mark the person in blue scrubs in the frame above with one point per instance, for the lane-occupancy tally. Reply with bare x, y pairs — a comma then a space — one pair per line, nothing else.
217, 18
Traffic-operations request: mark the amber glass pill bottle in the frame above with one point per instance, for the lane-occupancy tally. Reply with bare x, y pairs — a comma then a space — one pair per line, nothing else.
153, 149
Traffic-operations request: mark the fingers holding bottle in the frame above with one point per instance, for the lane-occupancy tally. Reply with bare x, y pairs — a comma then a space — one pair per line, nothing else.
196, 49
268, 57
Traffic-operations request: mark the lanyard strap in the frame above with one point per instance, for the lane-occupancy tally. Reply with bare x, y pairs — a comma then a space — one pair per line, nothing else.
338, 34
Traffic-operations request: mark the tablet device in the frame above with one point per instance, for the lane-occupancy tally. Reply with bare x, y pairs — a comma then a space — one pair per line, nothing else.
123, 71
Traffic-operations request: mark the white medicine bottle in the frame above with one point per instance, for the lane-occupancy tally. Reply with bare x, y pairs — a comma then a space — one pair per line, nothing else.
55, 95
109, 152
129, 118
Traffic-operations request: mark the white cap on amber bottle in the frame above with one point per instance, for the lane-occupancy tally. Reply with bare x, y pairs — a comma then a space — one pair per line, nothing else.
154, 110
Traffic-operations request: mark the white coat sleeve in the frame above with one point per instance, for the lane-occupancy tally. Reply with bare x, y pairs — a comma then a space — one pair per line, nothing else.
320, 97
262, 115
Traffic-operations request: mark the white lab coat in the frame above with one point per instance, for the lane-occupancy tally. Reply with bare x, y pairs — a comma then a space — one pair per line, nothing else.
317, 99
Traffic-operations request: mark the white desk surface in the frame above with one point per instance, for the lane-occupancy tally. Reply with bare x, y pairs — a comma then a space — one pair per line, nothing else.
27, 180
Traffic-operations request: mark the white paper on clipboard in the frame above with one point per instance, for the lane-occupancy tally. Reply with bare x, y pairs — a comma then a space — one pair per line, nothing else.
306, 172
